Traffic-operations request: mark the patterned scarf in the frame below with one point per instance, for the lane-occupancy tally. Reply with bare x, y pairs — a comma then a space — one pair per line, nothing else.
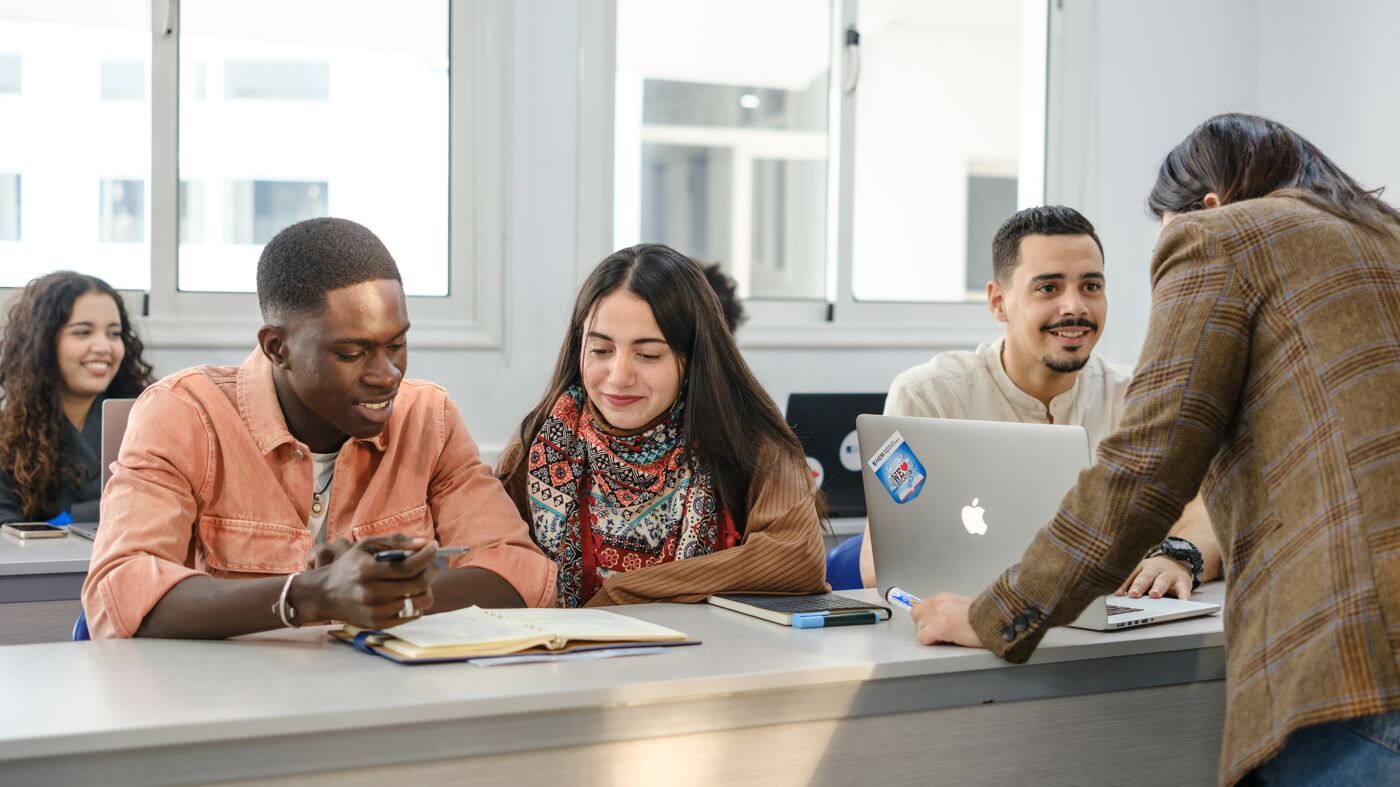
643, 502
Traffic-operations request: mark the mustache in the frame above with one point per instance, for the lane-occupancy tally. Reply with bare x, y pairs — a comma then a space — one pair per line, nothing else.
1079, 322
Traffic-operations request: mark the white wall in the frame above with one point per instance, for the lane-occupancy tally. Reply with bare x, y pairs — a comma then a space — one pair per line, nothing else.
1160, 68
1329, 71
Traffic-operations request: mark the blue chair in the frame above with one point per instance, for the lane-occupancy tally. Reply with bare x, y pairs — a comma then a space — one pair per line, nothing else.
80, 632
843, 564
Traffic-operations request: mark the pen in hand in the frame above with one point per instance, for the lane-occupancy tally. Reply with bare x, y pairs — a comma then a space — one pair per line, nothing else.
396, 555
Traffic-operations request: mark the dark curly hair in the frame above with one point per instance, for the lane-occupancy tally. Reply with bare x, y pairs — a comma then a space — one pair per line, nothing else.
308, 259
727, 290
33, 443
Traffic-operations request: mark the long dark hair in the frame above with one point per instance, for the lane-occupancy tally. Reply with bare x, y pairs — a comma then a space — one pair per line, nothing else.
33, 443
1240, 157
728, 417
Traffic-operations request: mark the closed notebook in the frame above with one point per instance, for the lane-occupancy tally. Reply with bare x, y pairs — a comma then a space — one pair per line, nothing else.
475, 632
782, 609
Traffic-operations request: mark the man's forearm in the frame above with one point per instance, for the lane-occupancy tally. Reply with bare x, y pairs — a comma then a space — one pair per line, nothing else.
209, 608
462, 587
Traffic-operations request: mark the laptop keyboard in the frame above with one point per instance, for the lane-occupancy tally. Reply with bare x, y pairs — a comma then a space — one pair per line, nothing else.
1114, 609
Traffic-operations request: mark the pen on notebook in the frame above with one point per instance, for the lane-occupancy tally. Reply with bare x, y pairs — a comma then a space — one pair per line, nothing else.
395, 555
903, 599
814, 620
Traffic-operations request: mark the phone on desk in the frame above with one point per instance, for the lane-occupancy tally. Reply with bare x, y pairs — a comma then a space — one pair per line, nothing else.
34, 530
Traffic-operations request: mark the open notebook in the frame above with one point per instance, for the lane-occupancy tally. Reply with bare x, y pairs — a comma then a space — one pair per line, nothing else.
475, 632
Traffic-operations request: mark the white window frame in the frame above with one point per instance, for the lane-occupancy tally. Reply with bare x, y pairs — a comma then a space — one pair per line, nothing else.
470, 317
841, 321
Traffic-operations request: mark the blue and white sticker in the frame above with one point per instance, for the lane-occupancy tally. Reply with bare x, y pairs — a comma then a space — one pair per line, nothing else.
898, 469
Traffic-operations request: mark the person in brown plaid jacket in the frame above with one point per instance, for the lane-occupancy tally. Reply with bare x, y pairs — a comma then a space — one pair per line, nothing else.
1270, 382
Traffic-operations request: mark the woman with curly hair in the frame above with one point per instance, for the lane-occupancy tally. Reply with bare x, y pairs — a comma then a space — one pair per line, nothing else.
68, 344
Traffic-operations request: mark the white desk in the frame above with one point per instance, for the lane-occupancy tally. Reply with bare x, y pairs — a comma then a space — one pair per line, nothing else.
757, 703
41, 580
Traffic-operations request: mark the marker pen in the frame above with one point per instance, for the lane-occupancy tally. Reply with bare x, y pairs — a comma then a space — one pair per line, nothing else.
396, 555
816, 620
903, 599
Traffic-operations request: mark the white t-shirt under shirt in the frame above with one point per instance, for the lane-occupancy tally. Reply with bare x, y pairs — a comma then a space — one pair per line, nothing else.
974, 385
322, 475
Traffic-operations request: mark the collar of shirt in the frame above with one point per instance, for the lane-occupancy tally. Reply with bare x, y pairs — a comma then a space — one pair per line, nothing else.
258, 405
1060, 406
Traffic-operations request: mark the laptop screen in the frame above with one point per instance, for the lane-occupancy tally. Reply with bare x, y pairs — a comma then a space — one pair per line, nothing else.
115, 413
826, 425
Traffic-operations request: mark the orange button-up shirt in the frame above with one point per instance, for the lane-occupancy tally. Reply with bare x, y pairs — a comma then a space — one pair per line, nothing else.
209, 481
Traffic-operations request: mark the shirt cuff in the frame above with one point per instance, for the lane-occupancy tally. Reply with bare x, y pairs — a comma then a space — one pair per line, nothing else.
118, 603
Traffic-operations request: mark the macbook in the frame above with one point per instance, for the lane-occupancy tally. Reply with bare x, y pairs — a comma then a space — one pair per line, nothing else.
953, 504
826, 425
115, 413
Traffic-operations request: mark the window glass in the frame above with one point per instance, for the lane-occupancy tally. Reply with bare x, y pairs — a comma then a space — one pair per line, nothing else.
294, 110
73, 164
721, 137
937, 141
123, 80
11, 69
9, 206
123, 211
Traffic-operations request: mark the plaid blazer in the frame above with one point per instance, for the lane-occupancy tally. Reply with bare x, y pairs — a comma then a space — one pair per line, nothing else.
1270, 381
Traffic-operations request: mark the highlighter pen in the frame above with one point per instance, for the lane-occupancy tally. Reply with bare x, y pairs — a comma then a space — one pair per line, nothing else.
816, 620
903, 599
396, 555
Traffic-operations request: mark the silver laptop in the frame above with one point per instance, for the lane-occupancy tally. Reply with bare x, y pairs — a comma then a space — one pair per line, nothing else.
953, 504
115, 413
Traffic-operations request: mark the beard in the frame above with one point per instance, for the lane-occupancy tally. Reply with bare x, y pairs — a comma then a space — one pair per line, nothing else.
1066, 366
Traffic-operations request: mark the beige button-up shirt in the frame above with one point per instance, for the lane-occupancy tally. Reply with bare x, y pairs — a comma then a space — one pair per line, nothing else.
974, 386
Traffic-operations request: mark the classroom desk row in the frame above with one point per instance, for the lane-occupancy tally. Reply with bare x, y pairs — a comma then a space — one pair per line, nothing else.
41, 581
756, 702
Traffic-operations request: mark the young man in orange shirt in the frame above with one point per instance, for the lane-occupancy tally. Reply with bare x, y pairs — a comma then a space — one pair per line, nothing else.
255, 497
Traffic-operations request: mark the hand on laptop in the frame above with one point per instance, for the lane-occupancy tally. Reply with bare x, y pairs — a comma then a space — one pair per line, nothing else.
942, 619
1157, 576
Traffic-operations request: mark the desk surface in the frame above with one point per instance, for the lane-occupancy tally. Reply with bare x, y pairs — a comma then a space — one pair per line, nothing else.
71, 698
67, 555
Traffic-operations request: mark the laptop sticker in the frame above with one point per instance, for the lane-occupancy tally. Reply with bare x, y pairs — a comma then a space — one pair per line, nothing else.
818, 472
898, 469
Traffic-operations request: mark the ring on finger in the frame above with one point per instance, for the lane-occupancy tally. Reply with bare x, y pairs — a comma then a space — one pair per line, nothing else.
408, 611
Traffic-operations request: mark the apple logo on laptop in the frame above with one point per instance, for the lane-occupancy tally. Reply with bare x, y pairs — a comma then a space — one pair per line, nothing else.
972, 518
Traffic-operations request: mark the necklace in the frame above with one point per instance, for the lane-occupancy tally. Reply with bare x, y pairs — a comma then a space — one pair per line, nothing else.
316, 505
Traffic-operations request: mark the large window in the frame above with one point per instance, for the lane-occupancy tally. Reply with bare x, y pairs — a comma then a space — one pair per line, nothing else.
846, 153
722, 137
75, 140
293, 110
160, 144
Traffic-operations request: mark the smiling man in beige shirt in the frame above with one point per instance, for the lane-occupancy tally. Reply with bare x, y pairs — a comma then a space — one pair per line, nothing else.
1049, 291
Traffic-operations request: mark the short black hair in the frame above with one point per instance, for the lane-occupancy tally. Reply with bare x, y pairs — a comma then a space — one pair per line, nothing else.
1043, 220
727, 290
308, 259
